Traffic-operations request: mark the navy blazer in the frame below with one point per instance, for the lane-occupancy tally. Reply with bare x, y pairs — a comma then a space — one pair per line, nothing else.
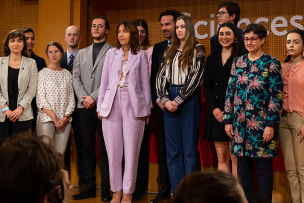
40, 62
157, 56
64, 61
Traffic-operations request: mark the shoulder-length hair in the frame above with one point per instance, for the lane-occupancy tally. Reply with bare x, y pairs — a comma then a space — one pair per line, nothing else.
132, 29
13, 34
299, 32
237, 47
146, 43
189, 47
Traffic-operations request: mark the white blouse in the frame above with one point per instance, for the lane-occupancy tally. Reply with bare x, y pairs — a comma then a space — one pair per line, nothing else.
54, 92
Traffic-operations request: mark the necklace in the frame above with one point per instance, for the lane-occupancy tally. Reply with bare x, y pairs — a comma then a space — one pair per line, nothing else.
123, 57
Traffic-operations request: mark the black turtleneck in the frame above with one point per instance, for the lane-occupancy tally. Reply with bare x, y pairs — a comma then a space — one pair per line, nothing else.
96, 49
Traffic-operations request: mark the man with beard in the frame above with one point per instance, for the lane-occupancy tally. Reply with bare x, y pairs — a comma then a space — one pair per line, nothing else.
87, 71
167, 19
72, 37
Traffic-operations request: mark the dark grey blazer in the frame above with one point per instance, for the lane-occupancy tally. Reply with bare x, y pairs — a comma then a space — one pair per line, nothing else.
86, 76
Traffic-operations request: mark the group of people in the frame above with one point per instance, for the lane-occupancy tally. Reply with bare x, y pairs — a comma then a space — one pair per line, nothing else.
252, 101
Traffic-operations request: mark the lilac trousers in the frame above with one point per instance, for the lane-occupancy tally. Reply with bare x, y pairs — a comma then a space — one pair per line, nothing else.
123, 135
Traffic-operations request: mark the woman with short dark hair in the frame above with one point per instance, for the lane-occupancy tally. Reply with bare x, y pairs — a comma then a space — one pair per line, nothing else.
252, 111
124, 105
55, 100
18, 83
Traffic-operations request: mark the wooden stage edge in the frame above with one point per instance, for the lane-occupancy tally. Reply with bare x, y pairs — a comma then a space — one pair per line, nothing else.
281, 193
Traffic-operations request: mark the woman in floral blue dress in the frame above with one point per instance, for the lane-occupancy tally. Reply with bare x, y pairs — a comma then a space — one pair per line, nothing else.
252, 111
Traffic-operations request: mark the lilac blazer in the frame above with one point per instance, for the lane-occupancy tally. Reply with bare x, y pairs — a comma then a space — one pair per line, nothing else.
137, 79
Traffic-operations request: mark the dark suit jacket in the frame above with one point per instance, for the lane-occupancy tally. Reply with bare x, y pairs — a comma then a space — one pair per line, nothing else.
39, 61
64, 61
157, 56
215, 81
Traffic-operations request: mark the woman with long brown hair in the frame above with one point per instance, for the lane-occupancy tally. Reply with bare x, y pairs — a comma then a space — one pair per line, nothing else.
178, 82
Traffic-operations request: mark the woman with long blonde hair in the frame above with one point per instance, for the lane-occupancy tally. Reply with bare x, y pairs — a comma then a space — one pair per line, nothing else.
178, 82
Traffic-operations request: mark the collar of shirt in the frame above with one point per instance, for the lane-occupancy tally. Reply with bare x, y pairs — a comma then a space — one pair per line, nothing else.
169, 42
69, 54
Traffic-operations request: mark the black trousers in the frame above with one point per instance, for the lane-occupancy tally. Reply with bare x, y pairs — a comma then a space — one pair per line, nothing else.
34, 121
78, 144
143, 160
265, 176
162, 156
9, 128
89, 124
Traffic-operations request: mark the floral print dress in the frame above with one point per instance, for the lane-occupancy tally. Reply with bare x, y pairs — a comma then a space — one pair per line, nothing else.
253, 101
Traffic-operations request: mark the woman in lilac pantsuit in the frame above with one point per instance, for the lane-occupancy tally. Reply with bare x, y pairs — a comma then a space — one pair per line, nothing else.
124, 105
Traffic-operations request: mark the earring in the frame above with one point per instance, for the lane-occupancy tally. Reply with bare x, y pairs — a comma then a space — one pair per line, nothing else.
235, 41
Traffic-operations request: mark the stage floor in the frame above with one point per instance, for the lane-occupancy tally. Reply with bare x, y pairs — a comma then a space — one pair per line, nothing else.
146, 199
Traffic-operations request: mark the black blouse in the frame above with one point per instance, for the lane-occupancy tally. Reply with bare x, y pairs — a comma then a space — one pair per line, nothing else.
13, 82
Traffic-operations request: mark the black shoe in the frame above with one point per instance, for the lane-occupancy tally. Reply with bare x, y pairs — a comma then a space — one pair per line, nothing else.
86, 193
81, 188
138, 194
106, 195
162, 195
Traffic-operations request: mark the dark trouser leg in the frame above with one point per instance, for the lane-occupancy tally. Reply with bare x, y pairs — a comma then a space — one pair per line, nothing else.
174, 148
143, 161
265, 176
4, 129
79, 147
105, 180
244, 169
87, 130
21, 127
190, 126
67, 152
34, 121
162, 157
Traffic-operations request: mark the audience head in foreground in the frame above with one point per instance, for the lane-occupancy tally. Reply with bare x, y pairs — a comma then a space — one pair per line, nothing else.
209, 187
30, 170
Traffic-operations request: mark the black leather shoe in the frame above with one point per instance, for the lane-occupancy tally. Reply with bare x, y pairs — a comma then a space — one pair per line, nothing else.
138, 194
84, 194
162, 195
105, 195
81, 188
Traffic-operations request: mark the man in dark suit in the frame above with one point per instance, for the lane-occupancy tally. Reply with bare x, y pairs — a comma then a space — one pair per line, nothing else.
167, 20
87, 71
30, 42
72, 37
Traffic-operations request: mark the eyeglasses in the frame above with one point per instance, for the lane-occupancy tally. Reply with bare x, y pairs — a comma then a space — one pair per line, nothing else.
226, 34
220, 13
55, 52
98, 26
252, 39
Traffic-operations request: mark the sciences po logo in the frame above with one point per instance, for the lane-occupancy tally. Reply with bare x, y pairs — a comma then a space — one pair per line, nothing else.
277, 22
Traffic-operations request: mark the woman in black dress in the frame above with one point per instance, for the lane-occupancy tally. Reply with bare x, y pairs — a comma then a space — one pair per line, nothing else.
228, 46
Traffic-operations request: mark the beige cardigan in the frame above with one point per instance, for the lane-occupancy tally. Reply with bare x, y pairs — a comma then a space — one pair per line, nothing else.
27, 85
